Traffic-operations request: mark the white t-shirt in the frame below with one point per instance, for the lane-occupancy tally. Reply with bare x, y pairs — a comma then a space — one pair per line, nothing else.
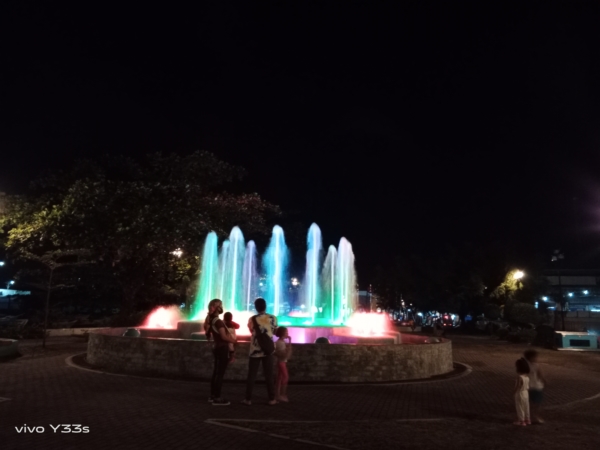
280, 351
534, 380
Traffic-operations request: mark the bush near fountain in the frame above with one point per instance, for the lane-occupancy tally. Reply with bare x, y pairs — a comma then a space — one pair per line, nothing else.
9, 348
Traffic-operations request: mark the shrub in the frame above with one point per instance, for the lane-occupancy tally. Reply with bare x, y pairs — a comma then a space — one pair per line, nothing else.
523, 312
492, 311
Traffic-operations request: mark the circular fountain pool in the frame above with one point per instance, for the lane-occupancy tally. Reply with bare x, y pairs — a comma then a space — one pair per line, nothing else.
349, 359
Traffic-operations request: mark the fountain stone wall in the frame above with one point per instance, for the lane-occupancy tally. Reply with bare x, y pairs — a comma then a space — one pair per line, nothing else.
334, 363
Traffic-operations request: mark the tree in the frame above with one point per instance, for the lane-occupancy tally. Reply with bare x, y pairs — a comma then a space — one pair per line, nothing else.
450, 281
132, 216
509, 287
518, 293
52, 261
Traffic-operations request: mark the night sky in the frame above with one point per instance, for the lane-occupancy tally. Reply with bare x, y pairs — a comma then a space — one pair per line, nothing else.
404, 126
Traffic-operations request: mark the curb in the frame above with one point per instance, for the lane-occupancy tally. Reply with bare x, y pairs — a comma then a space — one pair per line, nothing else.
464, 371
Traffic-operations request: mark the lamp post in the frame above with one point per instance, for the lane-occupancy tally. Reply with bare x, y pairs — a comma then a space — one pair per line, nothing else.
557, 256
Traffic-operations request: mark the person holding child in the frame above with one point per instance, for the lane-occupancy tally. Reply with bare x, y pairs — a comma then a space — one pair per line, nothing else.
522, 393
283, 352
215, 328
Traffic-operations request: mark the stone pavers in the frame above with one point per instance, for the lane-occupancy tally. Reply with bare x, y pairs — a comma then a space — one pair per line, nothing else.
128, 412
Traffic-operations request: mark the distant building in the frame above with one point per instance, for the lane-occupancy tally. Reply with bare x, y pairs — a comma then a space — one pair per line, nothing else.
9, 299
580, 289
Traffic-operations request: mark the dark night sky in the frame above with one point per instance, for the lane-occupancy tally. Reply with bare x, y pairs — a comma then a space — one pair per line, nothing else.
403, 126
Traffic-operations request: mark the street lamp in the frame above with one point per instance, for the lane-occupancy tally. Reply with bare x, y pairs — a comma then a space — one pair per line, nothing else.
1, 263
518, 275
178, 252
9, 284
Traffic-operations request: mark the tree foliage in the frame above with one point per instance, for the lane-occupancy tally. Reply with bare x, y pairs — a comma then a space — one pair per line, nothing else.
131, 216
450, 281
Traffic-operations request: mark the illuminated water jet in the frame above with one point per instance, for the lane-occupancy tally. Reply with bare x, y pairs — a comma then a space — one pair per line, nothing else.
275, 262
250, 276
311, 278
208, 275
327, 296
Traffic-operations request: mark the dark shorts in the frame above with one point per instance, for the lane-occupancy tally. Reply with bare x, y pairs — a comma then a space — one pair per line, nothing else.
536, 396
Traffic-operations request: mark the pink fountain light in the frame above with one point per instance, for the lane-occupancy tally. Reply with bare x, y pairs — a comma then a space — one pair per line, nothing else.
368, 324
164, 317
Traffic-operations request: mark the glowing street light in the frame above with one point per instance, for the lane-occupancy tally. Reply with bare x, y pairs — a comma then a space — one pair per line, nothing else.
9, 284
1, 263
518, 275
586, 292
178, 252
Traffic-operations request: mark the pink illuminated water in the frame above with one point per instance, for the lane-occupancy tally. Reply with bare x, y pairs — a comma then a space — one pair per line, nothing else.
368, 324
164, 317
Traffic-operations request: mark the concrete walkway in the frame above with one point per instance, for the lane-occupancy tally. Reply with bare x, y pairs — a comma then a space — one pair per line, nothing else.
40, 389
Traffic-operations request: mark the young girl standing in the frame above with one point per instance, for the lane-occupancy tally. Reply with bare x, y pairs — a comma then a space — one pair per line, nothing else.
522, 393
283, 351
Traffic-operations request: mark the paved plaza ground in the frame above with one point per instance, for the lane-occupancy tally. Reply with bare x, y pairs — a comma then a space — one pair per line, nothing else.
474, 410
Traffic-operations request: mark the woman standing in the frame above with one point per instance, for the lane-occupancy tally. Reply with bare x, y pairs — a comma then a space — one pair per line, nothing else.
214, 327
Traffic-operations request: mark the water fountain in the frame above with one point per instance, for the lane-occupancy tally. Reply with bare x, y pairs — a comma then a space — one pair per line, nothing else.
321, 308
328, 292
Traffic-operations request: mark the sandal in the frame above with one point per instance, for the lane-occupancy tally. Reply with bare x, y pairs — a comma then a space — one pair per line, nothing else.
272, 402
246, 402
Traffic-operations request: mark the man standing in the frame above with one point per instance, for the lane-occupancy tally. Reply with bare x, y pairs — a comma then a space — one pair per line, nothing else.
214, 327
262, 326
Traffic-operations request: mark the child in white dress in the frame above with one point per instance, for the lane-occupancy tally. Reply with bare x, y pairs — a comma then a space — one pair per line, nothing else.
522, 393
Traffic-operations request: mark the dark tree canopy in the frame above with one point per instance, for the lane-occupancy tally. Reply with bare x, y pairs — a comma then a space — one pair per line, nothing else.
131, 216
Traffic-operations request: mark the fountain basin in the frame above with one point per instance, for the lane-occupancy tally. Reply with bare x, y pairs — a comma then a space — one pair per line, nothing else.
8, 347
361, 362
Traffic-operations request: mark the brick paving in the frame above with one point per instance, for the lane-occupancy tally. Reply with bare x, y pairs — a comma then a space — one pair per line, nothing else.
129, 412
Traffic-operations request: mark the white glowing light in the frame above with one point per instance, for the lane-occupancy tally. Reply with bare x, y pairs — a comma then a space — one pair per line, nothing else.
518, 275
164, 317
366, 324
